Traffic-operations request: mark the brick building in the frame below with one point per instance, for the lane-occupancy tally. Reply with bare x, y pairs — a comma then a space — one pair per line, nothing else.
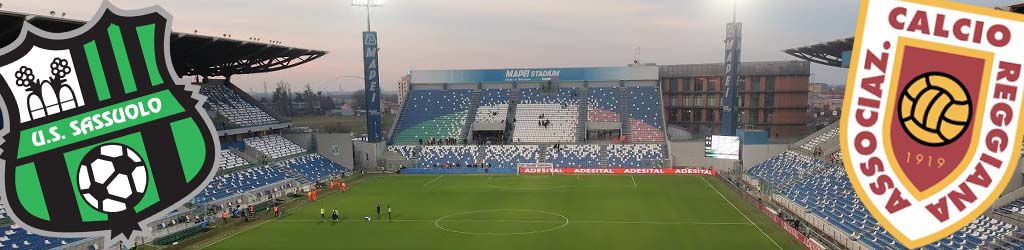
773, 96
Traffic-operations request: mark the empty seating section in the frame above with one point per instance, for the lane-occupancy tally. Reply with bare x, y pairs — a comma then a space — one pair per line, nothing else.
15, 237
493, 105
825, 190
409, 152
432, 114
238, 182
817, 140
575, 156
229, 160
314, 167
645, 122
558, 108
509, 156
792, 164
603, 105
274, 146
446, 156
230, 104
635, 155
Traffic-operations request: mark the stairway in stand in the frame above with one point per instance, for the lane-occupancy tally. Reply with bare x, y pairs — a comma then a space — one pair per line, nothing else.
513, 100
602, 156
474, 105
542, 153
581, 127
623, 111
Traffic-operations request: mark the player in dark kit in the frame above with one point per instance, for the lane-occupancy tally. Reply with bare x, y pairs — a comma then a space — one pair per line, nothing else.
378, 210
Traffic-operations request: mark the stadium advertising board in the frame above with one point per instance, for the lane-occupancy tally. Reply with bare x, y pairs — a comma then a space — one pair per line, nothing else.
645, 171
536, 75
371, 76
722, 147
932, 138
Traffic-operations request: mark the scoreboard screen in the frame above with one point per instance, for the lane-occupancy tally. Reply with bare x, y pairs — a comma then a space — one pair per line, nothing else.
722, 147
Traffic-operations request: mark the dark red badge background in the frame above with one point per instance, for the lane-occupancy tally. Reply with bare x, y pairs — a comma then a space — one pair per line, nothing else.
917, 61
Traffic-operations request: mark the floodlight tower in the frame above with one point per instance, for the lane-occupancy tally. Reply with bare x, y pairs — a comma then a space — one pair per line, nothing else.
730, 104
368, 4
371, 77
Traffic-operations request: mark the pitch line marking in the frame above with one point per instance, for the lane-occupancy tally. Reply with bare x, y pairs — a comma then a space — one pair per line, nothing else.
230, 235
564, 221
553, 221
432, 181
634, 180
741, 213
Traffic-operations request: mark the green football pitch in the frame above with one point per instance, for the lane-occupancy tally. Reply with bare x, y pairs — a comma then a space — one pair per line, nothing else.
524, 212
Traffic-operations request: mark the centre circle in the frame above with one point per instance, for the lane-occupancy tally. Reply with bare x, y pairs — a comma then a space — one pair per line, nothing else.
501, 222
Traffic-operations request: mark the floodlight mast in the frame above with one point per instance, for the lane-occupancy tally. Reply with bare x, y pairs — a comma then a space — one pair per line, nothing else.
368, 4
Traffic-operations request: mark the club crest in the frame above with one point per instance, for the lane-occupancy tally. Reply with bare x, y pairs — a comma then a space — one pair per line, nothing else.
100, 137
931, 127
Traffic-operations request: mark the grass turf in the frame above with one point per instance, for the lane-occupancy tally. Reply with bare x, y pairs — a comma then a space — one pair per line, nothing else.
524, 212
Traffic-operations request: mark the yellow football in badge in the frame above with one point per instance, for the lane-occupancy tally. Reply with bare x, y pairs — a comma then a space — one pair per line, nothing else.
934, 109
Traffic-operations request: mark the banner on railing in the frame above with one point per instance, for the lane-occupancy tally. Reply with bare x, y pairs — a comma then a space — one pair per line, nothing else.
646, 171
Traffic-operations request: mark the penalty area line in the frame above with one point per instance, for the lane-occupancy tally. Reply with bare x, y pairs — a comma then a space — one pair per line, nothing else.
741, 213
432, 181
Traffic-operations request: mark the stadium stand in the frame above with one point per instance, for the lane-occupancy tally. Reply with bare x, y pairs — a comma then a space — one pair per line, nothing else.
431, 114
493, 105
446, 156
274, 146
229, 160
824, 189
238, 182
314, 167
817, 140
234, 107
15, 237
603, 105
574, 155
635, 155
558, 109
408, 152
645, 122
509, 156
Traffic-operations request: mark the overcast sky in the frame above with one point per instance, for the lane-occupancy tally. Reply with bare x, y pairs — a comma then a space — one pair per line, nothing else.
475, 34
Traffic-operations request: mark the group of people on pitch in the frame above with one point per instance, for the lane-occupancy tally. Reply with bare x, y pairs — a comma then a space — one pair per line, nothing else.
335, 217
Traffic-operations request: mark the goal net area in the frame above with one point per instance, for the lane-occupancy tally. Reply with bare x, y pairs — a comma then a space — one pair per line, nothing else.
536, 168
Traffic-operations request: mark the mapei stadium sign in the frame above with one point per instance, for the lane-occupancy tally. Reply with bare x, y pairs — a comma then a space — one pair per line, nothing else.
931, 131
99, 137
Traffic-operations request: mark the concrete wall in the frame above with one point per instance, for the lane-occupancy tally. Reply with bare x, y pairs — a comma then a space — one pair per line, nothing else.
367, 155
691, 153
302, 139
327, 142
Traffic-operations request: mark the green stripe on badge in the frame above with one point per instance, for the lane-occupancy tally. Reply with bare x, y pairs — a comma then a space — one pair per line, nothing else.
99, 79
189, 141
147, 36
97, 122
30, 191
121, 55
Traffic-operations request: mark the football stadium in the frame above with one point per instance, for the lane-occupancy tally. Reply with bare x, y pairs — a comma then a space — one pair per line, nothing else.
637, 156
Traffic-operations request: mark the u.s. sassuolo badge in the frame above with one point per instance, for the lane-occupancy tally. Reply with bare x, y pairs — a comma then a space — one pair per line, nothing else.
101, 136
931, 122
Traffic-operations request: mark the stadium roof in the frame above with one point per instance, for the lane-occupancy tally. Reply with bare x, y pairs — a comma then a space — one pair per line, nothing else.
827, 53
192, 54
